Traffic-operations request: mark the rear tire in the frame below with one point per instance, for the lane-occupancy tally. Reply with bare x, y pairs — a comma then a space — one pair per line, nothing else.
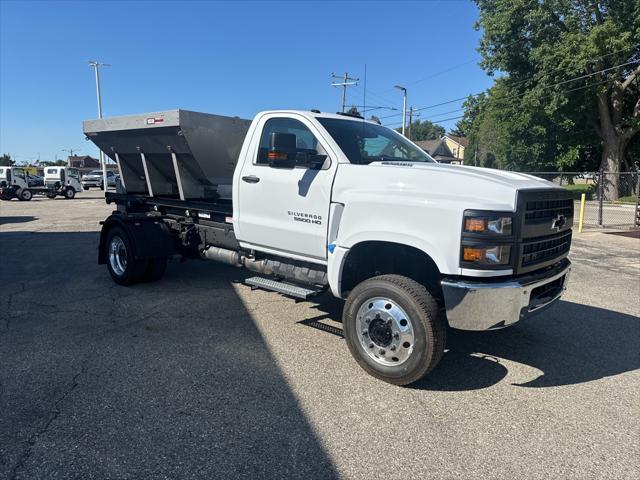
85, 188
394, 329
123, 267
155, 269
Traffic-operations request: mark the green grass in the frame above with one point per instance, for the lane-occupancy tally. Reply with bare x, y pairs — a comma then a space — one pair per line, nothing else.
627, 199
579, 188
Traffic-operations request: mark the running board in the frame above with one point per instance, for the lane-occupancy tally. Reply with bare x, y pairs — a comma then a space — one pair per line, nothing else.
284, 288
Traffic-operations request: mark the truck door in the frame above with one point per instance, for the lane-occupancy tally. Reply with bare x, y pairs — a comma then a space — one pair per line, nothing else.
285, 210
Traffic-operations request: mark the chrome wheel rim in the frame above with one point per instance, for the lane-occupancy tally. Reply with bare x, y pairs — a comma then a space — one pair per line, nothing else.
117, 256
385, 331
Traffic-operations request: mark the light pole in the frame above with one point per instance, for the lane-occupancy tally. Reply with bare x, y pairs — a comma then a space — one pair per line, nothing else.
404, 105
96, 65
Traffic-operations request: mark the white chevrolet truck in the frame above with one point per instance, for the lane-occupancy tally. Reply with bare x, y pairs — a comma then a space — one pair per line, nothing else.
313, 202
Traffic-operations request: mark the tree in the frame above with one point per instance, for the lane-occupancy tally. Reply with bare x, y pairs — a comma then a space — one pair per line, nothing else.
541, 46
6, 161
54, 163
424, 130
457, 131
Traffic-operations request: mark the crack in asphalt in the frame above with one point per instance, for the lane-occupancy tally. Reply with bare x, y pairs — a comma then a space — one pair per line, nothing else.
36, 435
23, 288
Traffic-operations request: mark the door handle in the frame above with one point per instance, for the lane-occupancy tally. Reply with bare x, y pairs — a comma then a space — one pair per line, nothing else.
250, 179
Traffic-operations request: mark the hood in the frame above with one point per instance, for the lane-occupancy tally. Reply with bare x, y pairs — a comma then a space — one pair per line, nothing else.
478, 188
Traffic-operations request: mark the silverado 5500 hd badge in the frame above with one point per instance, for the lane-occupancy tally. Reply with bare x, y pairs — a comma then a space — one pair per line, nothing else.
305, 217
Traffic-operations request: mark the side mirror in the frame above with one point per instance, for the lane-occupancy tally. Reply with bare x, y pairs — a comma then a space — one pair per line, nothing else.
310, 159
282, 150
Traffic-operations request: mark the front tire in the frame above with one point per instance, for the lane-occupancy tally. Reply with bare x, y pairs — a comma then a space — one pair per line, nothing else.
69, 193
394, 329
25, 195
123, 267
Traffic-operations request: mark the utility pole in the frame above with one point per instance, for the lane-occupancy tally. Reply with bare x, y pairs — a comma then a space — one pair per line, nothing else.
70, 152
346, 81
96, 65
475, 156
411, 114
404, 105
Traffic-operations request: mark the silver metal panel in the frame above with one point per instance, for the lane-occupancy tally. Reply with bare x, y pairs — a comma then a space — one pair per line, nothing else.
168, 118
184, 151
146, 174
177, 171
120, 171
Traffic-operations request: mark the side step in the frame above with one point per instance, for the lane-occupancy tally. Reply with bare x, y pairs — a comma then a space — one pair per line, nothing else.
285, 288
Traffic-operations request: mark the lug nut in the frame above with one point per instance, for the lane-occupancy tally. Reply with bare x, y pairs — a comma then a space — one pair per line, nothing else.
382, 352
371, 345
377, 315
396, 336
367, 320
393, 348
365, 333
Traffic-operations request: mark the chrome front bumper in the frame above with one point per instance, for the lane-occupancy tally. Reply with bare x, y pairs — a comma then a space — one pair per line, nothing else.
488, 305
91, 183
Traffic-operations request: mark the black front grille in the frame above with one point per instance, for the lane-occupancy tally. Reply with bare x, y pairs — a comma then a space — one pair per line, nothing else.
537, 210
548, 290
541, 249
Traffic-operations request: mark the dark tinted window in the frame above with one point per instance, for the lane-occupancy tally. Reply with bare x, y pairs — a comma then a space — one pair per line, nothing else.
305, 140
364, 142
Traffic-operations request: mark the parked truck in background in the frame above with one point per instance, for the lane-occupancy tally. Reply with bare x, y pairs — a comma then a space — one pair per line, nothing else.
94, 179
15, 182
314, 202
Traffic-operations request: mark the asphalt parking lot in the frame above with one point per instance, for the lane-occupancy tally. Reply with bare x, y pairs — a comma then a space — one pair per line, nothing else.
197, 376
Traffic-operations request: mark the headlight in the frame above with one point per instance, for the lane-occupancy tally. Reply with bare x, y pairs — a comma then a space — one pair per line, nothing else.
488, 224
498, 255
487, 239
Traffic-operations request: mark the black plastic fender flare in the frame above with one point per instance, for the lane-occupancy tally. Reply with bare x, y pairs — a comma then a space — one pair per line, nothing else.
150, 237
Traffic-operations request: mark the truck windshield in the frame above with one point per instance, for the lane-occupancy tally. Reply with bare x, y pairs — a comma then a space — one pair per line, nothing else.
364, 142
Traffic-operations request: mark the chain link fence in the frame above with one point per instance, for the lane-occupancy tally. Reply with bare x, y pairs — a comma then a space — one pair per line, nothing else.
611, 198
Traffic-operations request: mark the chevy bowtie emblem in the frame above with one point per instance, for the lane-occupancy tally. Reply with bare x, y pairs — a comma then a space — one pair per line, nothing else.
558, 222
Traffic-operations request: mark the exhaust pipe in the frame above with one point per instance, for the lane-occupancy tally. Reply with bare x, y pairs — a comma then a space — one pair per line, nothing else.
231, 257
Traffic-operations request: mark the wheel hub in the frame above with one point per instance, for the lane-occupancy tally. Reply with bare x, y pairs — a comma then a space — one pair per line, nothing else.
380, 332
118, 256
385, 332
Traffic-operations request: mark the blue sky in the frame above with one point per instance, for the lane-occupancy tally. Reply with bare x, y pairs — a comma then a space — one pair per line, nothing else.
230, 58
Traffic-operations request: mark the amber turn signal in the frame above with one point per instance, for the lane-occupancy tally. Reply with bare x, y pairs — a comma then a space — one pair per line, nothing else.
472, 254
475, 224
276, 155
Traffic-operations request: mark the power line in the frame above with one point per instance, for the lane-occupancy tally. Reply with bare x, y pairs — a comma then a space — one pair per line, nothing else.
432, 106
380, 99
544, 87
461, 116
591, 60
